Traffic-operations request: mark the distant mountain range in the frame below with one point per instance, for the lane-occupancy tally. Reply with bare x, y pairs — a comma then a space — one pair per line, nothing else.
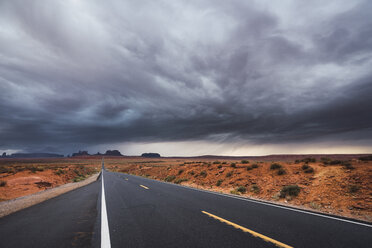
32, 155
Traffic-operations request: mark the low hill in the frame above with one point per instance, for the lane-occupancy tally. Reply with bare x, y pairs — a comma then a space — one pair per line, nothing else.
150, 155
35, 155
113, 153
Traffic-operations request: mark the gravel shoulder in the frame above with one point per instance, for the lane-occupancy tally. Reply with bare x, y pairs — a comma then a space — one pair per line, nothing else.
11, 206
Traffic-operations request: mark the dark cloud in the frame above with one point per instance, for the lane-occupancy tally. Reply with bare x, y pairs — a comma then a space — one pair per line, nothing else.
83, 73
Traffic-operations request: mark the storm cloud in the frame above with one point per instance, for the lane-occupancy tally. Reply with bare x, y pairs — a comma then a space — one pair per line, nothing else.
79, 74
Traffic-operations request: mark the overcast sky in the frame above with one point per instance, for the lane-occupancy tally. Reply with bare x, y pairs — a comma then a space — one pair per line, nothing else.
186, 77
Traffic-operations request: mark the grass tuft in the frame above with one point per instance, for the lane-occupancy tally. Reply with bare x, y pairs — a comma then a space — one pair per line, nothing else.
348, 165
234, 192
5, 170
169, 178
291, 190
354, 188
180, 180
366, 158
281, 171
255, 188
241, 189
254, 166
203, 173
59, 172
307, 168
78, 179
275, 166
34, 169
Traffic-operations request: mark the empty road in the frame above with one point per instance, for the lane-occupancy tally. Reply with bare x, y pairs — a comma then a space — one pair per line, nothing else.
122, 210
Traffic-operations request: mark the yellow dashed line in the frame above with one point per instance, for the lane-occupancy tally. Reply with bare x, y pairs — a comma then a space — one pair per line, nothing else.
143, 186
267, 239
126, 179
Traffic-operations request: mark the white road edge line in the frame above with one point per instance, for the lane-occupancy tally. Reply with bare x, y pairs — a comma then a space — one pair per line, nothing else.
263, 203
105, 232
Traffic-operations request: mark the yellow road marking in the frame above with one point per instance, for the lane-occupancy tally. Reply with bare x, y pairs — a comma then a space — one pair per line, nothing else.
143, 186
126, 179
267, 239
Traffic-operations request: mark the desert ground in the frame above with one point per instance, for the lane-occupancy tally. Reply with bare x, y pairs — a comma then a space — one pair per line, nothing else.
21, 177
334, 184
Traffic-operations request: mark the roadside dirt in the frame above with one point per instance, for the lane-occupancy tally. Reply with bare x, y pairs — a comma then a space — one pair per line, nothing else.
20, 177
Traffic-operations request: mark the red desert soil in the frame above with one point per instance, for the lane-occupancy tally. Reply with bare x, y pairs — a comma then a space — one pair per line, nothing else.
335, 189
20, 177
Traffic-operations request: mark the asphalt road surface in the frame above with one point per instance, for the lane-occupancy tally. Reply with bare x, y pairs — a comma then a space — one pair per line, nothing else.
122, 210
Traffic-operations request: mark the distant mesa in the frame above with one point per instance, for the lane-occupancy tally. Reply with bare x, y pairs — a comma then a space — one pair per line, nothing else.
150, 155
113, 153
80, 153
32, 155
107, 153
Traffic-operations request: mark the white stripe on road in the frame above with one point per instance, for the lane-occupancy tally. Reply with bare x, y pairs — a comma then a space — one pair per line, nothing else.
105, 233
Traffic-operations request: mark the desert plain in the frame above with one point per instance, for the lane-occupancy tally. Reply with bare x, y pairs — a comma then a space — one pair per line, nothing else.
333, 184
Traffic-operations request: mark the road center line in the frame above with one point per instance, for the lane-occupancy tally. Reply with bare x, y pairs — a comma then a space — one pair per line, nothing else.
255, 234
144, 186
105, 232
